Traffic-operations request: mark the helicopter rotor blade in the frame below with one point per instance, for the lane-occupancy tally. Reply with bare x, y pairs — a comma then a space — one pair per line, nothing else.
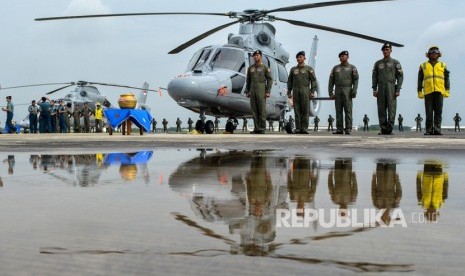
200, 37
33, 85
128, 14
321, 4
56, 90
122, 86
339, 31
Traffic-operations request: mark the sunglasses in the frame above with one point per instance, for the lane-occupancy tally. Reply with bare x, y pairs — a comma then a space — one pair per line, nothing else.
433, 52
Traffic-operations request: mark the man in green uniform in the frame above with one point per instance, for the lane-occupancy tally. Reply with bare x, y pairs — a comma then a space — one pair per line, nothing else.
86, 112
330, 123
258, 88
77, 118
433, 86
418, 120
387, 81
165, 125
457, 120
400, 119
244, 124
217, 124
316, 121
302, 84
345, 77
365, 123
178, 125
190, 122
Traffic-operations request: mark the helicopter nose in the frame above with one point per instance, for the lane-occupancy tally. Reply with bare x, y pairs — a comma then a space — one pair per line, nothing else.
192, 88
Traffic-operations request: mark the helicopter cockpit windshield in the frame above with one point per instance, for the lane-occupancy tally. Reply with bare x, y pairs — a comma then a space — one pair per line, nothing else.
230, 59
199, 59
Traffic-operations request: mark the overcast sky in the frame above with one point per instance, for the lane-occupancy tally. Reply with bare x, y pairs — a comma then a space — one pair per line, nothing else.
133, 50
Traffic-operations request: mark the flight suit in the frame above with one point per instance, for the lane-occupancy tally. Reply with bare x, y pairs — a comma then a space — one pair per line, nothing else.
387, 79
189, 123
259, 187
258, 84
77, 119
86, 114
165, 125
457, 120
365, 123
316, 121
345, 78
301, 183
178, 125
330, 123
418, 120
301, 82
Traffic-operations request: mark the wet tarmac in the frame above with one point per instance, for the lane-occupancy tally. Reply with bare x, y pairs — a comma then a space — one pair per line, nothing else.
191, 211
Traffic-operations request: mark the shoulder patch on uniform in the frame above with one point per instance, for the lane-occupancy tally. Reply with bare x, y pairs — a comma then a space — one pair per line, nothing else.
269, 70
296, 71
337, 69
252, 69
381, 66
398, 66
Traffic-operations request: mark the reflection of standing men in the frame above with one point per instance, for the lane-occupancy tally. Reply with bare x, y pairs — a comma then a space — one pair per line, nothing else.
432, 189
386, 190
301, 183
433, 86
400, 119
365, 123
344, 77
330, 123
418, 120
457, 120
259, 186
387, 81
178, 125
258, 88
316, 121
190, 122
11, 163
302, 84
165, 125
342, 183
33, 112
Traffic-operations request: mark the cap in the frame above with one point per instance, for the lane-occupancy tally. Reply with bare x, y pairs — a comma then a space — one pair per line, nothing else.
433, 50
301, 53
8, 97
97, 104
257, 52
386, 45
343, 53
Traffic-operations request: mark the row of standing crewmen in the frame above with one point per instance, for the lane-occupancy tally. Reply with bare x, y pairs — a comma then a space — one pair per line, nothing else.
387, 78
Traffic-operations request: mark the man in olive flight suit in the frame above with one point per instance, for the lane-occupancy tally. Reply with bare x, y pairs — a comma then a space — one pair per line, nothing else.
258, 88
387, 81
345, 77
302, 83
457, 120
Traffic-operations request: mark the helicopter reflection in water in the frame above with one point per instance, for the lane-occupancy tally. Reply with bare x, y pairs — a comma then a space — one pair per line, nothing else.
243, 190
87, 168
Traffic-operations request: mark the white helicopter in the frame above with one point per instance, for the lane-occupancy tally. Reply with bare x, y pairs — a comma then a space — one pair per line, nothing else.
214, 81
85, 92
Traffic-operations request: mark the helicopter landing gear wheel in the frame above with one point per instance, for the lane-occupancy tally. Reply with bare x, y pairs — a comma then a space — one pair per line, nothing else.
209, 127
200, 126
230, 127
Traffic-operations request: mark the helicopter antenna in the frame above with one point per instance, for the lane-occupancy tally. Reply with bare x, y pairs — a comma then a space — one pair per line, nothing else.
249, 16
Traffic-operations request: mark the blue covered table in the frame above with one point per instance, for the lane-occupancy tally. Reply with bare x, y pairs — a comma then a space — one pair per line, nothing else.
117, 117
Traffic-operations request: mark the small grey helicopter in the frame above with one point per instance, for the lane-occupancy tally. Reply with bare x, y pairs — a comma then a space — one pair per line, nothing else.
85, 92
214, 81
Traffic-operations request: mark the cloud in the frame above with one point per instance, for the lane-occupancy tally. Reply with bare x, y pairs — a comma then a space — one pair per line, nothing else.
86, 7
448, 35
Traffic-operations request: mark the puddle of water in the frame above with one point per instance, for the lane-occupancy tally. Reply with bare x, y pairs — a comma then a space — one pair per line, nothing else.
184, 211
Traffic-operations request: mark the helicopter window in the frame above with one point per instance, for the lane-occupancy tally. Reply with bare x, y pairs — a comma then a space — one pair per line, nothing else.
238, 82
230, 59
199, 59
282, 73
